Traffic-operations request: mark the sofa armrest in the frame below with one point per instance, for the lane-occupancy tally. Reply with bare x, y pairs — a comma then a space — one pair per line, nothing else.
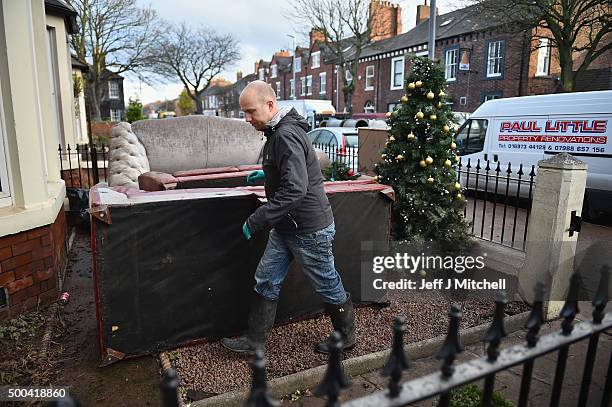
127, 157
156, 181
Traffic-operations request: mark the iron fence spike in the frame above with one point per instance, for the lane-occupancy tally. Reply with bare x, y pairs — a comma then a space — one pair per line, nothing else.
536, 316
601, 296
496, 331
334, 379
570, 308
398, 360
451, 347
259, 396
169, 388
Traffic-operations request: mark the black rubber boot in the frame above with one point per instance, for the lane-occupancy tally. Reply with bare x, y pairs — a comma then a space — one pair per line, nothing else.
261, 320
343, 320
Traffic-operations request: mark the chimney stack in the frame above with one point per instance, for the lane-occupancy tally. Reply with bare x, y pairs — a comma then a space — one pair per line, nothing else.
386, 20
282, 53
238, 75
422, 13
316, 35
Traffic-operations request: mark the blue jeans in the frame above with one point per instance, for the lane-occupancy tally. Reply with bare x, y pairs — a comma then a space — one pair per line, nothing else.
313, 251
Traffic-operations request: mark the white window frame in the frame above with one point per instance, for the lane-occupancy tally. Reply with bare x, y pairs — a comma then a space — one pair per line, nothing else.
303, 85
309, 85
261, 74
278, 89
494, 55
369, 76
348, 76
490, 96
273, 71
315, 56
369, 107
451, 63
393, 73
292, 85
322, 82
6, 198
117, 116
543, 68
297, 64
110, 90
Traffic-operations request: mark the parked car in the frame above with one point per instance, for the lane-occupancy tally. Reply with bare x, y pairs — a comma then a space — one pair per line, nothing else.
340, 144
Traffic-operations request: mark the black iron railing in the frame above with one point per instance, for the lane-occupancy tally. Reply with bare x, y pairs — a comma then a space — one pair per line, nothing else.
450, 376
84, 165
499, 200
347, 155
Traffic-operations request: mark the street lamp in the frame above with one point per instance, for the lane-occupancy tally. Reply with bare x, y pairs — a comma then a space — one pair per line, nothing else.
293, 65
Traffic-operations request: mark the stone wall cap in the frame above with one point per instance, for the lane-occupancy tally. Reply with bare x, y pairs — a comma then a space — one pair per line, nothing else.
563, 161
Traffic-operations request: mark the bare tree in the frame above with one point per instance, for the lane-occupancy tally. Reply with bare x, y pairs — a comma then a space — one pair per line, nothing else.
114, 35
346, 25
193, 56
580, 31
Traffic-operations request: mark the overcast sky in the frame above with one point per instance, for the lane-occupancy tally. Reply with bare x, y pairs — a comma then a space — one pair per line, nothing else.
259, 27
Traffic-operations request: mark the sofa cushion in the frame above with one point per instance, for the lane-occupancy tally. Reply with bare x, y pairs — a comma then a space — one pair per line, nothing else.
189, 142
127, 157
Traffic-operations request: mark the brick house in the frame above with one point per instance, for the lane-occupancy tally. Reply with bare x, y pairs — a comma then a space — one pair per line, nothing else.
112, 105
232, 94
213, 98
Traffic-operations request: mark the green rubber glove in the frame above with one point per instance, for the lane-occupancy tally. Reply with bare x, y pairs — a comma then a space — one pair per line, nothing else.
254, 176
246, 232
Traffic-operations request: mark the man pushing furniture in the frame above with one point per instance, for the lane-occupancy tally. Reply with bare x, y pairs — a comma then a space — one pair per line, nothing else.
300, 217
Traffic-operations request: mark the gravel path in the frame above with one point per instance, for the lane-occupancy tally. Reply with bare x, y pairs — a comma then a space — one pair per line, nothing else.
208, 369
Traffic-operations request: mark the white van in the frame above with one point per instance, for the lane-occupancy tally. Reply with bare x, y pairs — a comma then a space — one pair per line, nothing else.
524, 130
307, 108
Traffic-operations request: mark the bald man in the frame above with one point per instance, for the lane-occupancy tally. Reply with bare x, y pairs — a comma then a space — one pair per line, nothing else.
300, 218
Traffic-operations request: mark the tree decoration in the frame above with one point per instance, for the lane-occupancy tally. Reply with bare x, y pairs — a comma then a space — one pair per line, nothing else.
404, 99
453, 146
388, 114
428, 205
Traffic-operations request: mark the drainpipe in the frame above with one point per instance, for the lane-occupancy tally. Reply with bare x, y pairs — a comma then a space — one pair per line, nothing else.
521, 71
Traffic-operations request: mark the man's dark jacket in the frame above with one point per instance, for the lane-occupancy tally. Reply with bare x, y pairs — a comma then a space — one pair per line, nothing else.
296, 201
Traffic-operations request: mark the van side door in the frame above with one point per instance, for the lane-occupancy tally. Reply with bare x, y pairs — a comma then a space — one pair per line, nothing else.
516, 141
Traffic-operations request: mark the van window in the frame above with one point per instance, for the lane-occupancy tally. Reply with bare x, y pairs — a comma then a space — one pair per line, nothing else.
325, 138
352, 140
471, 136
313, 135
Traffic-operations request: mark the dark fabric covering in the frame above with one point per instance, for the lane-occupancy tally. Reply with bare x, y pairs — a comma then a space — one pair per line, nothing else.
176, 271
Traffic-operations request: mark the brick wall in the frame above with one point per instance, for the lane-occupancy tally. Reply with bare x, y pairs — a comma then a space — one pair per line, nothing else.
30, 263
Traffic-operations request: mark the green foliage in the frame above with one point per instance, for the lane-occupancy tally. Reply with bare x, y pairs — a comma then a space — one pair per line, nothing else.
134, 111
339, 171
470, 395
419, 159
185, 103
22, 327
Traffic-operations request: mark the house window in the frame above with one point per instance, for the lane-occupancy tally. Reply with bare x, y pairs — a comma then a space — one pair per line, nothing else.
391, 107
261, 74
273, 71
369, 107
309, 85
292, 87
303, 85
322, 83
543, 58
113, 90
5, 189
348, 76
450, 64
316, 59
115, 115
369, 85
298, 64
491, 96
278, 90
397, 73
241, 114
495, 59
463, 101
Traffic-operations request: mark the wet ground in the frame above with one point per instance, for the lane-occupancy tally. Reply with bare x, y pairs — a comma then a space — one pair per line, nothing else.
129, 383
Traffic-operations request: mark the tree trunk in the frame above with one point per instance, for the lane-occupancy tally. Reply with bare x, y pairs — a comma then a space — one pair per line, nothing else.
199, 105
348, 101
93, 100
566, 62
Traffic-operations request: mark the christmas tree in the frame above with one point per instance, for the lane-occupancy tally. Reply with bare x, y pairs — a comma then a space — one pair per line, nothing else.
418, 162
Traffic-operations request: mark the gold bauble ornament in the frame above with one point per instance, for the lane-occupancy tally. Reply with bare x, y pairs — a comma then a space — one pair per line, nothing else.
439, 105
441, 94
410, 136
430, 180
404, 99
411, 85
457, 158
383, 156
453, 145
388, 114
429, 160
432, 117
445, 128
422, 163
376, 178
399, 157
459, 197
394, 113
419, 115
457, 186
391, 138
448, 163
418, 84
430, 95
